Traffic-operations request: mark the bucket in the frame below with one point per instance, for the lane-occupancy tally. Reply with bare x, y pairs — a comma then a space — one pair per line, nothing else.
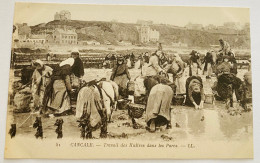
209, 98
178, 100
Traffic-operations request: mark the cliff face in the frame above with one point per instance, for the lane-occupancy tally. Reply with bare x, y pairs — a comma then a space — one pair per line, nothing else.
200, 38
114, 32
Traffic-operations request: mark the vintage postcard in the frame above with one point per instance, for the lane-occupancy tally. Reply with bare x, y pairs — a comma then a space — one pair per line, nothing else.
129, 82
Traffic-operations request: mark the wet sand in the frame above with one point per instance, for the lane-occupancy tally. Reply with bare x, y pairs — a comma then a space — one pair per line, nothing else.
212, 123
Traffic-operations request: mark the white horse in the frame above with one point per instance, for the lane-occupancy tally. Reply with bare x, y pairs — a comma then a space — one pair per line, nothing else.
108, 93
110, 96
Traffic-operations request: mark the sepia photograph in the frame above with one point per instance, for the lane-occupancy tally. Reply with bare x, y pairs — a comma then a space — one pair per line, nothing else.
129, 82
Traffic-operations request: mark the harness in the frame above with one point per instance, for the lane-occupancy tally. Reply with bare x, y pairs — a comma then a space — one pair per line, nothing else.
112, 100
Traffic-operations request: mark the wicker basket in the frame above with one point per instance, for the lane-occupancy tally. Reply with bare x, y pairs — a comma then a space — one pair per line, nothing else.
122, 104
135, 110
178, 100
140, 99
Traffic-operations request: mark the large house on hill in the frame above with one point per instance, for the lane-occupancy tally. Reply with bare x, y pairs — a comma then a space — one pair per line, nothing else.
146, 34
61, 36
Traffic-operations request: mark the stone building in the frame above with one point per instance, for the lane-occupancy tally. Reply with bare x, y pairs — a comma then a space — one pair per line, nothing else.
37, 39
146, 34
62, 15
154, 35
61, 36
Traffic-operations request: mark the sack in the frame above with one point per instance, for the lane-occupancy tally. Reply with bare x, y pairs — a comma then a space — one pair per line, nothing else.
22, 99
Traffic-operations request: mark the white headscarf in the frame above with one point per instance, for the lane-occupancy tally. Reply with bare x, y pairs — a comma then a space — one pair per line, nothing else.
69, 61
39, 62
75, 50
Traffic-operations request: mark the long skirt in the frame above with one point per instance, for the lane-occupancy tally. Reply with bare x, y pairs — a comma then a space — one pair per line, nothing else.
60, 100
194, 69
180, 85
89, 105
122, 81
208, 71
159, 103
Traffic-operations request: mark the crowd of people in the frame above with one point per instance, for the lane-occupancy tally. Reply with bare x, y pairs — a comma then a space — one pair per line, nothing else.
54, 89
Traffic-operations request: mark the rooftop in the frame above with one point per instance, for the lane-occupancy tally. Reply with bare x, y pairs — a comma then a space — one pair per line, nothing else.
66, 31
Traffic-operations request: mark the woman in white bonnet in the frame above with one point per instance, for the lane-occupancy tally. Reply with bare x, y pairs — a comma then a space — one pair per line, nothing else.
40, 79
57, 94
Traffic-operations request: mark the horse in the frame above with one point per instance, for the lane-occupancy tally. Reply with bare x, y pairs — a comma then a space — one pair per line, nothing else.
110, 93
95, 104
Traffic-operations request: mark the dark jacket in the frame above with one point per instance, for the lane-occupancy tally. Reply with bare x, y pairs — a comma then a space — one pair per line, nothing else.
208, 59
78, 68
119, 70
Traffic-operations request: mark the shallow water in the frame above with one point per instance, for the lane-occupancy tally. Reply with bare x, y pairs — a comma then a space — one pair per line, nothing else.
217, 124
211, 123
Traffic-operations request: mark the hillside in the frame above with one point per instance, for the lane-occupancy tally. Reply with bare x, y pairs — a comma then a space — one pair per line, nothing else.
114, 32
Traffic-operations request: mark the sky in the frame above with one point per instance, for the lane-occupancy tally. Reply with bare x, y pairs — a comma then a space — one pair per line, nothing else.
36, 13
